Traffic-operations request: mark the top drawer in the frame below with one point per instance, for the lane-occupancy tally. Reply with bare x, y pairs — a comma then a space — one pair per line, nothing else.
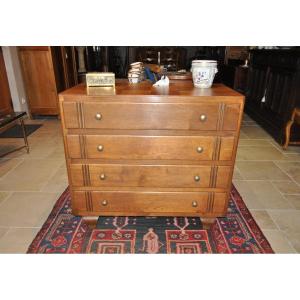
177, 116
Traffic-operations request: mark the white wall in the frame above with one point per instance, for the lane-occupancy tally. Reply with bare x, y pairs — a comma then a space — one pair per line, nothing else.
15, 80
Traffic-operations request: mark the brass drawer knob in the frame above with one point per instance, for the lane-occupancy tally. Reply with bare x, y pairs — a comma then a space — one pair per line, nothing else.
100, 148
199, 149
104, 202
102, 176
203, 118
98, 116
197, 178
194, 204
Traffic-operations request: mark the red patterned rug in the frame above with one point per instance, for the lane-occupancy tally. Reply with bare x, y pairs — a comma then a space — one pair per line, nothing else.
235, 233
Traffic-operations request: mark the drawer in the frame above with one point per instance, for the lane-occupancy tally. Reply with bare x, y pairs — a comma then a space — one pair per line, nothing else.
149, 203
176, 116
150, 147
117, 175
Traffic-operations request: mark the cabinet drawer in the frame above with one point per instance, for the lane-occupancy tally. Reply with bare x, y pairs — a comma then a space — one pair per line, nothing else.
176, 116
149, 203
150, 147
117, 175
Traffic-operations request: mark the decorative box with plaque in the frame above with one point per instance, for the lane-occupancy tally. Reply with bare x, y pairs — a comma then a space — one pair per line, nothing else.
99, 79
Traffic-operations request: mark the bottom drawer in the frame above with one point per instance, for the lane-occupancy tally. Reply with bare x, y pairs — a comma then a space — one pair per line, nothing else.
149, 203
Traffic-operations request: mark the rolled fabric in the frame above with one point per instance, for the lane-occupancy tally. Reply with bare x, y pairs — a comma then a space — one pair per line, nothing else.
149, 74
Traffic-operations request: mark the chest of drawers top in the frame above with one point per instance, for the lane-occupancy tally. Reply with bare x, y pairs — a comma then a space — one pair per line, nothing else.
145, 92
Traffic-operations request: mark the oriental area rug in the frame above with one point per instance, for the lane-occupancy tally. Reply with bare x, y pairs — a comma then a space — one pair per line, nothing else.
235, 233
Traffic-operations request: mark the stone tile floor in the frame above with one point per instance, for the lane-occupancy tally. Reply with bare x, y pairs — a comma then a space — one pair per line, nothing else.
267, 177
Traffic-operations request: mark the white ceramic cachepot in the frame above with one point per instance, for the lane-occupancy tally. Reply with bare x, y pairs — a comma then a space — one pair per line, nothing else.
203, 72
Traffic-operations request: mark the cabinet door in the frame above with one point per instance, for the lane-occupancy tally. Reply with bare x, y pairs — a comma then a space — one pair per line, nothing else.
278, 90
5, 97
39, 80
256, 86
69, 66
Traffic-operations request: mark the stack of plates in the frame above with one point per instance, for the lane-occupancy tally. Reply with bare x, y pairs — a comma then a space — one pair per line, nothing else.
136, 72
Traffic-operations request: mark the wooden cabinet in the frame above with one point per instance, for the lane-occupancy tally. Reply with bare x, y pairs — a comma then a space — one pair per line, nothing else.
148, 151
45, 73
241, 79
39, 79
273, 90
237, 53
173, 58
5, 97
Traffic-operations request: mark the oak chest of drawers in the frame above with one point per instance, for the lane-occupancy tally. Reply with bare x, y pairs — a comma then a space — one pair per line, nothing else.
137, 150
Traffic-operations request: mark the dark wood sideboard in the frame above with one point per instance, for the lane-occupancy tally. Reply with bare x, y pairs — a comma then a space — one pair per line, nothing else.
273, 90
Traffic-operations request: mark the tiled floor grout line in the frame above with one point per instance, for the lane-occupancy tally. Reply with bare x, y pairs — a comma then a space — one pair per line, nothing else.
238, 171
243, 132
4, 235
26, 191
21, 161
290, 201
278, 228
292, 179
5, 199
50, 177
270, 216
286, 239
279, 148
269, 141
40, 158
263, 160
282, 194
261, 146
264, 207
283, 232
21, 227
266, 210
271, 180
275, 209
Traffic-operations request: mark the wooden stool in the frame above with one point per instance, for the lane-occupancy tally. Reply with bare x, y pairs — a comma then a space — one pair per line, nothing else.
295, 118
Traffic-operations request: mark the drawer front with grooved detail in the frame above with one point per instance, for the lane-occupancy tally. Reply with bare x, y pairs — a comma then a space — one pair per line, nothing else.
124, 175
179, 116
148, 203
150, 147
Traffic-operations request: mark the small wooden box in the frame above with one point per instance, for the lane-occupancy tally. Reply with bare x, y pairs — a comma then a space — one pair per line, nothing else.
100, 79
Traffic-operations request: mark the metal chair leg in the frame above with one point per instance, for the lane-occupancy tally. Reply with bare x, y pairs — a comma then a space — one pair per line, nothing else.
24, 134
